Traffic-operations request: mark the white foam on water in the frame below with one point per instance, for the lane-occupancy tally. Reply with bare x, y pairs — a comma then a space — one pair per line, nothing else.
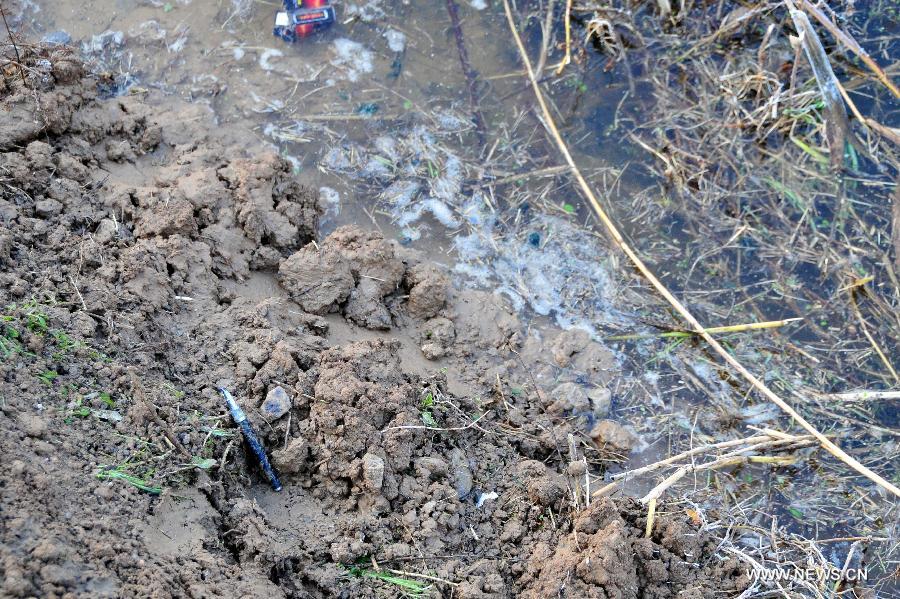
545, 263
352, 57
267, 55
396, 40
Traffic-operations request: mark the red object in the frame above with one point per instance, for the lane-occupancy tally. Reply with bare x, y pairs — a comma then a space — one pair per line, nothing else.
317, 16
301, 18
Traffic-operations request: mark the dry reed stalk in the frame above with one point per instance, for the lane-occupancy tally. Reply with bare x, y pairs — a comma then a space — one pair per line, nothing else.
864, 396
734, 328
663, 290
851, 44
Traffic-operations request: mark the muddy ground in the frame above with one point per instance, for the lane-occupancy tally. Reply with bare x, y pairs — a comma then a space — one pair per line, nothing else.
421, 431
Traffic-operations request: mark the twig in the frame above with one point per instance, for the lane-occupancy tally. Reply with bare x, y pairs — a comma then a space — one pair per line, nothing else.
78, 293
769, 440
677, 458
15, 47
137, 391
675, 303
435, 428
651, 513
422, 576
542, 172
469, 74
545, 38
863, 395
875, 346
568, 58
851, 44
735, 328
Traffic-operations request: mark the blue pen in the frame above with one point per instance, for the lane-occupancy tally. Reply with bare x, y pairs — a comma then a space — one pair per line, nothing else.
241, 419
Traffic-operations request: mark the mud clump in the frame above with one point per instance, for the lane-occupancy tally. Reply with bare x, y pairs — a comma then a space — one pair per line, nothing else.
356, 272
133, 233
317, 279
607, 556
427, 290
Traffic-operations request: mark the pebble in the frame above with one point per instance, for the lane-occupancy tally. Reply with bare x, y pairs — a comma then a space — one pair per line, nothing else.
460, 473
106, 231
57, 38
608, 434
47, 208
277, 403
569, 398
373, 471
33, 426
601, 400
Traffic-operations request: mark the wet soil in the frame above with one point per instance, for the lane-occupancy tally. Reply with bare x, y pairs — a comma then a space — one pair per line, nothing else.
421, 431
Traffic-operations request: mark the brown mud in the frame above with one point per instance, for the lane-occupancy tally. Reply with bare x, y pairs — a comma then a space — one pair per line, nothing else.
422, 432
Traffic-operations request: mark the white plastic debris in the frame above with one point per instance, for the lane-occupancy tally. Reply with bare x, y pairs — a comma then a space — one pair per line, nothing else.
485, 497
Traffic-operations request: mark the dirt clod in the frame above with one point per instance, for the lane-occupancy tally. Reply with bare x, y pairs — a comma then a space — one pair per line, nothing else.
427, 290
609, 434
317, 279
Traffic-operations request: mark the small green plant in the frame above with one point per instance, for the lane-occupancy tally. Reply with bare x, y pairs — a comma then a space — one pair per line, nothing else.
35, 318
427, 404
76, 409
117, 473
172, 390
203, 463
406, 586
63, 341
107, 399
48, 376
81, 412
9, 341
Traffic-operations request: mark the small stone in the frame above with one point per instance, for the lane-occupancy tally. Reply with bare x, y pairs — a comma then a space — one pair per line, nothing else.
567, 344
373, 471
513, 530
569, 398
437, 335
428, 290
119, 151
316, 279
576, 469
57, 38
611, 435
366, 308
17, 468
543, 485
106, 231
277, 403
105, 492
47, 208
460, 474
601, 400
